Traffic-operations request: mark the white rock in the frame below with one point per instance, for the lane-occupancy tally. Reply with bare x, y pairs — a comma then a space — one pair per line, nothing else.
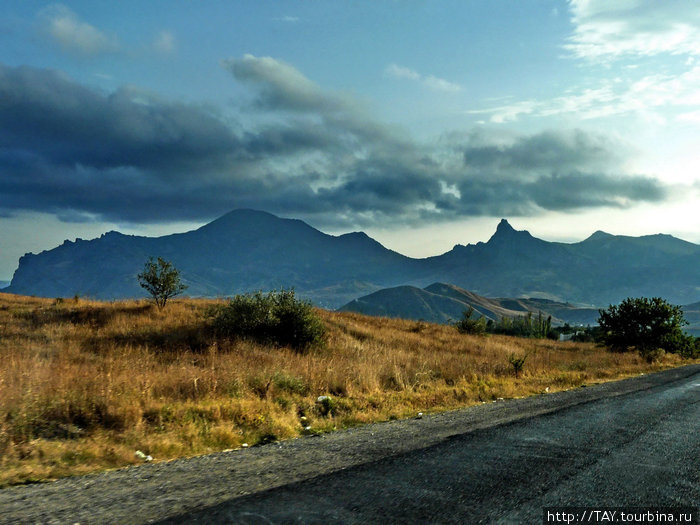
143, 456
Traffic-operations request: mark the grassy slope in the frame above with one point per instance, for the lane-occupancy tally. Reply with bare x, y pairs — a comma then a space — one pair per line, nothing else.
84, 385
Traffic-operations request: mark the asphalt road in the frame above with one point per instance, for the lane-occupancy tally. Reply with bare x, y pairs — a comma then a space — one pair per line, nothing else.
640, 449
633, 443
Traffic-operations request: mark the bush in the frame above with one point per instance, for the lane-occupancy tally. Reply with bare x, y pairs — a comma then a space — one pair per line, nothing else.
646, 325
275, 318
518, 363
470, 325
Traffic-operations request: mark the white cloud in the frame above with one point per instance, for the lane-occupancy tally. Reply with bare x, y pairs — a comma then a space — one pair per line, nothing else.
289, 19
692, 117
440, 84
507, 113
396, 71
72, 34
606, 30
430, 81
164, 42
651, 96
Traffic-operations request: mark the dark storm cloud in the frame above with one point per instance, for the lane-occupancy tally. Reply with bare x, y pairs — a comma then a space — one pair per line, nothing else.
549, 151
579, 190
128, 155
132, 156
59, 120
383, 189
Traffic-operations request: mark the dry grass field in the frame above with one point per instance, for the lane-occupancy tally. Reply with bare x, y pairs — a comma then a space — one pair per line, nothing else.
86, 384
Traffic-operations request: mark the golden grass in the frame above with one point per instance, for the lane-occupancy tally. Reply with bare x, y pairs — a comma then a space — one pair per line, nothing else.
85, 384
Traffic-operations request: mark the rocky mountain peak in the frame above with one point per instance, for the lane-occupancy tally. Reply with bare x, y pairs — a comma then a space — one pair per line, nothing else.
504, 227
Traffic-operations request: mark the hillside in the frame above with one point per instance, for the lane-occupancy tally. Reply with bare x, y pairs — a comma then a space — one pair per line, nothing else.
242, 251
247, 250
444, 303
691, 313
601, 270
86, 384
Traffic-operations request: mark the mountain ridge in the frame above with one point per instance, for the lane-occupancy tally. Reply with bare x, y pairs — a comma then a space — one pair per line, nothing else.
247, 250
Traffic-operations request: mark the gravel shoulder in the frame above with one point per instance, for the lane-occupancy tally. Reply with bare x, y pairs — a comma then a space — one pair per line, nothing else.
154, 492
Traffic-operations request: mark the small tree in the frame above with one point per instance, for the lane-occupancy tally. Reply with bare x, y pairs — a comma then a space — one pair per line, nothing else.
162, 280
646, 325
469, 324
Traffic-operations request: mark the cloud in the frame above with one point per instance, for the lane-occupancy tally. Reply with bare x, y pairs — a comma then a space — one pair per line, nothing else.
643, 96
691, 116
612, 34
593, 190
72, 34
430, 81
288, 19
66, 147
165, 42
549, 151
563, 170
605, 30
282, 86
508, 112
401, 72
132, 156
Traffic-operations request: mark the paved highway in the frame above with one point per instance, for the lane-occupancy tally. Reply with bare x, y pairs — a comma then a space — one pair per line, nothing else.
640, 449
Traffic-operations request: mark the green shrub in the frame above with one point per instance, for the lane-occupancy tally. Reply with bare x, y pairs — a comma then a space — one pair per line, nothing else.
275, 318
291, 384
326, 405
518, 363
470, 325
645, 325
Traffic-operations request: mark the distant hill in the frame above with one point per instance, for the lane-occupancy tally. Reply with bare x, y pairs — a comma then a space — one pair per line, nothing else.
247, 250
691, 312
4, 284
443, 303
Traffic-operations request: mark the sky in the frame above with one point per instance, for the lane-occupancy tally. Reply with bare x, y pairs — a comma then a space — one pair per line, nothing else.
422, 123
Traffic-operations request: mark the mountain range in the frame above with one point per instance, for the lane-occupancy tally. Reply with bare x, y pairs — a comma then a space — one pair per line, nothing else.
247, 250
